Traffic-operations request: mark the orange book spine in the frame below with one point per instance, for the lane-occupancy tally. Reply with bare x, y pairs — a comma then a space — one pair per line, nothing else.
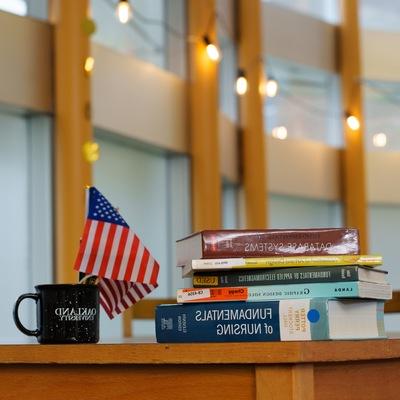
191, 295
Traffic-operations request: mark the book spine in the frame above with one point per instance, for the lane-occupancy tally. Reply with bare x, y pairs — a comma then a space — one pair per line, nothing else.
279, 262
222, 244
243, 322
276, 276
221, 322
270, 292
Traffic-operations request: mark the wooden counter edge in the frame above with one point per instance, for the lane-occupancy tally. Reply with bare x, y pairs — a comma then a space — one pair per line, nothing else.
201, 353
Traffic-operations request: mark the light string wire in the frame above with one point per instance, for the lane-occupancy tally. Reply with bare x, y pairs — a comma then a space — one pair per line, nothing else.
168, 28
320, 112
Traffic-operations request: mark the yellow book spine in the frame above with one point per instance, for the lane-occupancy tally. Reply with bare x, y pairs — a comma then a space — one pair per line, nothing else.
310, 261
280, 262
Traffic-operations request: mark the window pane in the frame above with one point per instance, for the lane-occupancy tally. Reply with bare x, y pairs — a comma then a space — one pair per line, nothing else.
230, 206
155, 32
296, 212
307, 103
25, 231
18, 7
227, 68
382, 15
381, 107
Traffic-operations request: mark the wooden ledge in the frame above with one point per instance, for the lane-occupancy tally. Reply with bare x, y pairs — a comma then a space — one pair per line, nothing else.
201, 353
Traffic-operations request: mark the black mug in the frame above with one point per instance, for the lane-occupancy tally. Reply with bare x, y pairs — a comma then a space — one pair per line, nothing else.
66, 313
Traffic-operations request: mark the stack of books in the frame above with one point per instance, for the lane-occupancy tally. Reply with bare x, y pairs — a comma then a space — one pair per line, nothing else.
275, 285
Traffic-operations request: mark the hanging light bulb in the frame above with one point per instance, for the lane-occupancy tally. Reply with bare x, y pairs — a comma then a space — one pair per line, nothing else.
241, 83
379, 139
279, 132
89, 65
271, 87
124, 11
212, 49
353, 122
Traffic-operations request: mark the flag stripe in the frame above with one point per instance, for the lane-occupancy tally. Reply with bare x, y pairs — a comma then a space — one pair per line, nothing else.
131, 297
102, 246
149, 270
83, 244
131, 261
95, 246
116, 294
106, 256
120, 254
134, 293
154, 272
113, 251
107, 294
86, 250
104, 300
125, 258
123, 288
143, 265
138, 262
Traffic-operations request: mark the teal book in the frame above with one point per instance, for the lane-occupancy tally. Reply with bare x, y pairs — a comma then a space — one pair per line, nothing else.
284, 320
368, 290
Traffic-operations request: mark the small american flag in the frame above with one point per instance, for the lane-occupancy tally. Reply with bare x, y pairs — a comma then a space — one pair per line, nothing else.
110, 250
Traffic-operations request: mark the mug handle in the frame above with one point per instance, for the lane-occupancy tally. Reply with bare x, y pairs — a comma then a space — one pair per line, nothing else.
17, 321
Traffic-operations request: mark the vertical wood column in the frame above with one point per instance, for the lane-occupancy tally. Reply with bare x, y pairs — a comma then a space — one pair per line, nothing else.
203, 118
285, 382
354, 191
251, 114
72, 129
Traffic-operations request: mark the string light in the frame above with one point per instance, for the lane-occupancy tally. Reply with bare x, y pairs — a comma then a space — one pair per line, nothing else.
241, 83
124, 11
212, 49
353, 122
89, 65
279, 132
271, 87
379, 139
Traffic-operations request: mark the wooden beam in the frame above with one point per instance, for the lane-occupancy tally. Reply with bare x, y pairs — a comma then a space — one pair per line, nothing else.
72, 129
251, 114
291, 382
127, 323
393, 305
203, 118
354, 192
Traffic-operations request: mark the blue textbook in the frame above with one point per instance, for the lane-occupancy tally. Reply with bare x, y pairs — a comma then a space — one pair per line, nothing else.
283, 320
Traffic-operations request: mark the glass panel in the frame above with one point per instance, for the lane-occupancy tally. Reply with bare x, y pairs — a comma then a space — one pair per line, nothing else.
227, 71
230, 206
327, 10
151, 190
18, 7
38, 9
296, 212
25, 231
34, 8
382, 15
155, 33
381, 107
307, 103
